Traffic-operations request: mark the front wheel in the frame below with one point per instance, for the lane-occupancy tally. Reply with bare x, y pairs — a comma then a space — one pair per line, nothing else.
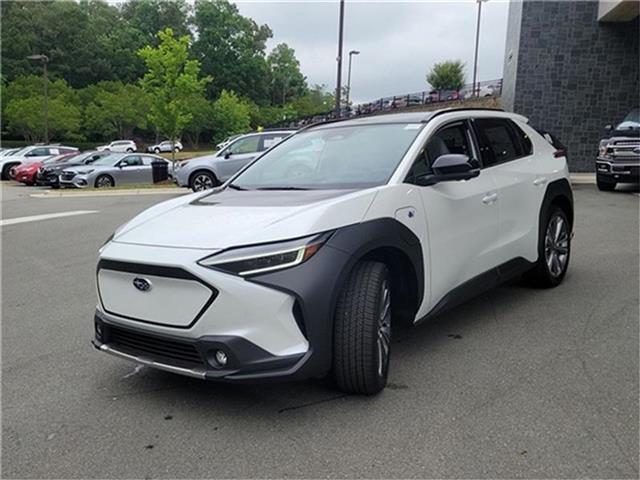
362, 330
104, 181
129, 150
202, 180
554, 251
156, 150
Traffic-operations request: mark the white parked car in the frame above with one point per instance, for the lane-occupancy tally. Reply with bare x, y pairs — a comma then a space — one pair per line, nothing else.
165, 146
389, 219
119, 146
31, 154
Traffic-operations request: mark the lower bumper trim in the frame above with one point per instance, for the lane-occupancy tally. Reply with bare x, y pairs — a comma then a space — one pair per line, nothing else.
195, 373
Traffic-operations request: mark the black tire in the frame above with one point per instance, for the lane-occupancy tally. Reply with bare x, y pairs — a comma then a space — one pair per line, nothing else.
129, 150
104, 181
201, 180
543, 274
604, 184
177, 149
361, 346
5, 170
156, 150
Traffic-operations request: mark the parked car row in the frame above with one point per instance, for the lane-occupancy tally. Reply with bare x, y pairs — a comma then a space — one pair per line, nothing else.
58, 166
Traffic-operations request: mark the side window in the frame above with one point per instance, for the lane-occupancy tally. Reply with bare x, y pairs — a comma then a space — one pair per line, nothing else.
131, 161
450, 139
245, 145
38, 152
525, 141
498, 141
148, 160
268, 141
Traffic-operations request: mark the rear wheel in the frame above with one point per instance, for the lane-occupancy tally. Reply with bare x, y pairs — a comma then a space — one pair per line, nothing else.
129, 150
104, 181
362, 330
202, 180
554, 250
605, 184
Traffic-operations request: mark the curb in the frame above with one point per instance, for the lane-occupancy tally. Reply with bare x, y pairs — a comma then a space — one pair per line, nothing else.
114, 193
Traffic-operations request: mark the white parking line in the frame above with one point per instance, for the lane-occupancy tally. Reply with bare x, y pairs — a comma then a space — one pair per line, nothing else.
37, 218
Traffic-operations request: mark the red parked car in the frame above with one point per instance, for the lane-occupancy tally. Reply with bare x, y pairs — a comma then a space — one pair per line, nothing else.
27, 172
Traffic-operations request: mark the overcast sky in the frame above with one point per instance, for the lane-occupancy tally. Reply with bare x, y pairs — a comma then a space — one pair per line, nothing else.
399, 41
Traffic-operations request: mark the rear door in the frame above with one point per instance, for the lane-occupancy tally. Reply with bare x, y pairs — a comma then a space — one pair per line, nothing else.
507, 152
461, 216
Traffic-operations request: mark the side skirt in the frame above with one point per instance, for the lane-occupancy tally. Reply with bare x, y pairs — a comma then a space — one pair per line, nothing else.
477, 285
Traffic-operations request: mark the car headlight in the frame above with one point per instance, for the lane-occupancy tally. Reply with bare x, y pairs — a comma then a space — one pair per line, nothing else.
87, 172
264, 258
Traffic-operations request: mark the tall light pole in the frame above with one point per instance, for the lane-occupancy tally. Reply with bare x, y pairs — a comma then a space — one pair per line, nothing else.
339, 59
475, 56
351, 54
44, 59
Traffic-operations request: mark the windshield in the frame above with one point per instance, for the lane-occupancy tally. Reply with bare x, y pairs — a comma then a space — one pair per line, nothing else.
21, 152
108, 160
339, 157
631, 121
58, 158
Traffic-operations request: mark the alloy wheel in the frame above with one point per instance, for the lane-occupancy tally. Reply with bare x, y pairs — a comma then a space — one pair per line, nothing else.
202, 182
384, 329
103, 182
556, 245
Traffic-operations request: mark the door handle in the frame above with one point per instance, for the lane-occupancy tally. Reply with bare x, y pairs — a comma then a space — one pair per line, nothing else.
489, 198
540, 181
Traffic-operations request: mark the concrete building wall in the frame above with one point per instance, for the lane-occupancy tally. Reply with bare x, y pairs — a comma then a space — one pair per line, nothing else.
570, 73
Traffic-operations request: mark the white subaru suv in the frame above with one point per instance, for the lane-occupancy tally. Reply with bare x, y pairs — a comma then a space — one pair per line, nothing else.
302, 264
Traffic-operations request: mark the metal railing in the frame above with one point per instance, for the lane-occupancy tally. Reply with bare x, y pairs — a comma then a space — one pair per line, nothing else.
487, 88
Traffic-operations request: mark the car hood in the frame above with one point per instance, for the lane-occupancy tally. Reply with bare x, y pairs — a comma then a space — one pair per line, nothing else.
230, 218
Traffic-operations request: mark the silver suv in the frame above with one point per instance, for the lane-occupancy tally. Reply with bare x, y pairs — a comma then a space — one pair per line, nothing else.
211, 170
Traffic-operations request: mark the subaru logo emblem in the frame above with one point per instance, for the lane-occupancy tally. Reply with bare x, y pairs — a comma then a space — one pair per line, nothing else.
142, 284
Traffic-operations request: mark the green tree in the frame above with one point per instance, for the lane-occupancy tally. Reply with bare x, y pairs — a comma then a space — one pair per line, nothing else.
287, 80
115, 110
317, 100
201, 119
23, 109
231, 48
231, 115
86, 41
448, 75
149, 17
23, 116
171, 81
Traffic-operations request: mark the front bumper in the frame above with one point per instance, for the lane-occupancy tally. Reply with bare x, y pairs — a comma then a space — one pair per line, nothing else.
194, 357
26, 178
79, 181
622, 171
47, 179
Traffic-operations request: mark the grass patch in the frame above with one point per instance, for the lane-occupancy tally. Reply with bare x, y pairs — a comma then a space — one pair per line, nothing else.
187, 155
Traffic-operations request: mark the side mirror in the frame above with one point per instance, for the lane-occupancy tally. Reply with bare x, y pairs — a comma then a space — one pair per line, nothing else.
448, 168
608, 128
227, 154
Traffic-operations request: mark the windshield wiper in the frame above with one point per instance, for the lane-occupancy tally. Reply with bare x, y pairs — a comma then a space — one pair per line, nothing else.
236, 187
282, 188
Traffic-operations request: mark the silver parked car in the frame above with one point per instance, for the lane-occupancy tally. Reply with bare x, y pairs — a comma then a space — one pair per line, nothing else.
112, 170
119, 146
164, 147
206, 172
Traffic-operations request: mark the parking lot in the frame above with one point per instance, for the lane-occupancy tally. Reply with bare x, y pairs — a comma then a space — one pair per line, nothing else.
517, 383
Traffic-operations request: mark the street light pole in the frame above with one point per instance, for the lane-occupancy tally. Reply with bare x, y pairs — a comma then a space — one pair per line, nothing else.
44, 59
339, 59
475, 56
351, 54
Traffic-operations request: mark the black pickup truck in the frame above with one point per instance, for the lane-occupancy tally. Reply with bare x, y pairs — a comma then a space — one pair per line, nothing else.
618, 158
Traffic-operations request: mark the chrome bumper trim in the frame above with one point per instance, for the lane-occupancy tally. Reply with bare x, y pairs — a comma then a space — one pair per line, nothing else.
151, 363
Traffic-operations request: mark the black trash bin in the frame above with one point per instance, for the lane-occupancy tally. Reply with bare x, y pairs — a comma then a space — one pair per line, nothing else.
160, 171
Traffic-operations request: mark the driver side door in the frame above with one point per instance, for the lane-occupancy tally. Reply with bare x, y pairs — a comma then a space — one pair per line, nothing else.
237, 155
461, 216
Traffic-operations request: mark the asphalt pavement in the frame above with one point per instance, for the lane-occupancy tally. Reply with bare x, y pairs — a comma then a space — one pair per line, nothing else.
518, 383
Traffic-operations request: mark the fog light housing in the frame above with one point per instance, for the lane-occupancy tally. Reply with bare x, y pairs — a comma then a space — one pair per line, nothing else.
221, 358
98, 331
